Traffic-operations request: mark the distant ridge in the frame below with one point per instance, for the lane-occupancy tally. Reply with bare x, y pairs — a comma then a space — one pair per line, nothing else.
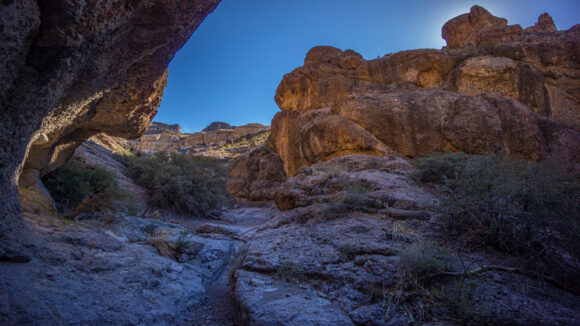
160, 127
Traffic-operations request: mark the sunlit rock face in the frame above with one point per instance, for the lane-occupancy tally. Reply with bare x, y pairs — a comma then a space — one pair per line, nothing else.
70, 70
160, 127
170, 139
494, 87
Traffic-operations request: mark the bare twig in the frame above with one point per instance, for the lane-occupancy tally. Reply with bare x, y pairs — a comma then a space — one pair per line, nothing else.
485, 269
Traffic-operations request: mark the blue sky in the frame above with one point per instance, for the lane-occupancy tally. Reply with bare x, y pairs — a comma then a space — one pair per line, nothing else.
230, 68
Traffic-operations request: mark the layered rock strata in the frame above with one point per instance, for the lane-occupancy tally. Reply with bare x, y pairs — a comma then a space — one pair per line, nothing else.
494, 87
73, 69
160, 127
175, 141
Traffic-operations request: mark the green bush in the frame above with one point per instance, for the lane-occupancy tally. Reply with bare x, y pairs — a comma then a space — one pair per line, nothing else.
464, 300
440, 166
74, 182
526, 209
192, 185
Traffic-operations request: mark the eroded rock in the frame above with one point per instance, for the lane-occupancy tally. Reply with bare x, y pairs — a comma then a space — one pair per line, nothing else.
213, 135
94, 272
256, 175
322, 256
72, 70
494, 87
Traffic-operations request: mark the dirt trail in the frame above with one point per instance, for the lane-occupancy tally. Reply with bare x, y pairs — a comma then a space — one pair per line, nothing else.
236, 225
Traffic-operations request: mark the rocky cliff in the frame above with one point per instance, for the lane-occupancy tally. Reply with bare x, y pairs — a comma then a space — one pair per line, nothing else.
351, 225
494, 87
73, 69
160, 127
170, 141
216, 125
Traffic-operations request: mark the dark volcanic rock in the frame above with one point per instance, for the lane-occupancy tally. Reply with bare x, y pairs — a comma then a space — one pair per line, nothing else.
72, 69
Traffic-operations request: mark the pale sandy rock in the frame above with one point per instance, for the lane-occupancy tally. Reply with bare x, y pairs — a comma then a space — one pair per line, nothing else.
174, 142
249, 129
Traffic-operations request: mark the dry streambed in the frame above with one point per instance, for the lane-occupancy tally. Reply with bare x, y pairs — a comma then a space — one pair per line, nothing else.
132, 271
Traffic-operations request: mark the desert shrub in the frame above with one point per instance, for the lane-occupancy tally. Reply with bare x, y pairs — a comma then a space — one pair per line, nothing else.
421, 265
192, 185
74, 182
419, 260
526, 209
440, 166
464, 300
289, 271
182, 243
256, 140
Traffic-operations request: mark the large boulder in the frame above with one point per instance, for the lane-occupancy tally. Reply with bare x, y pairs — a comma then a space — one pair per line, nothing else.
256, 175
462, 31
73, 69
494, 87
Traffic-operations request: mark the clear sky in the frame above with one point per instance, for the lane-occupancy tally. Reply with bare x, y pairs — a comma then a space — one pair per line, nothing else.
230, 68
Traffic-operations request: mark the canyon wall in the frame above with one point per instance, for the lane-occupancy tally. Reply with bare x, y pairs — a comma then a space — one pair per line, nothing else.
70, 70
172, 140
495, 87
160, 127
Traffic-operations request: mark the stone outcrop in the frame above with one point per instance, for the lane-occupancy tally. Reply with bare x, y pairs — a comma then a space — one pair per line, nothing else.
217, 125
377, 182
99, 151
124, 272
338, 256
465, 29
479, 27
257, 175
160, 128
73, 69
176, 141
494, 87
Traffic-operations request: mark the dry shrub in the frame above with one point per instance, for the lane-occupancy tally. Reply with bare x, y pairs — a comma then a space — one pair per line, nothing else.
526, 209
